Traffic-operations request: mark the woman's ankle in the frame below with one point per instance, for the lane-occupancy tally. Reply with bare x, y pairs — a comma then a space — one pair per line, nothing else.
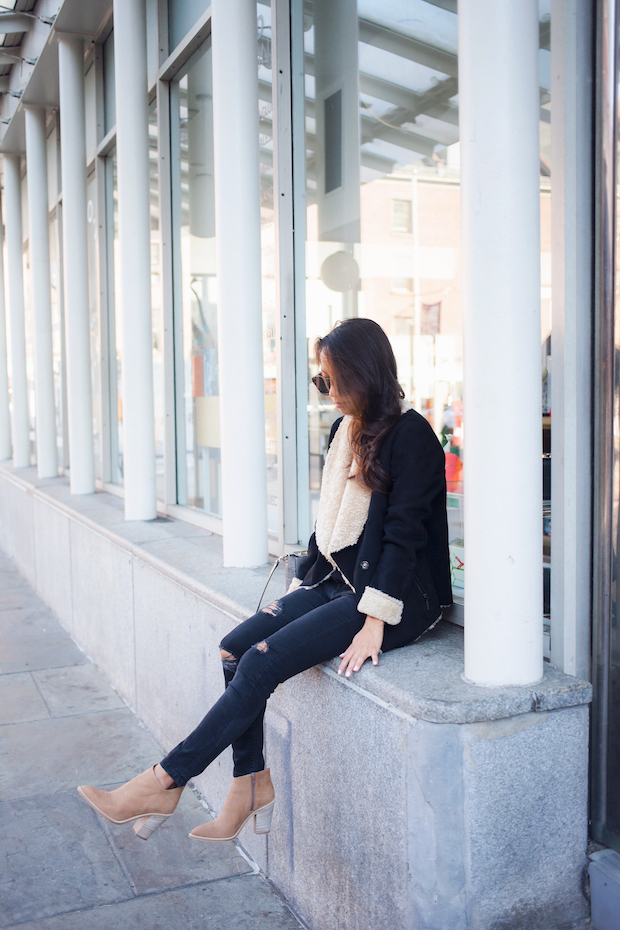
165, 780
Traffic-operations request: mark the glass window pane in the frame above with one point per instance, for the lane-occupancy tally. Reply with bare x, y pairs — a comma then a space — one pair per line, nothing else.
93, 302
182, 14
29, 324
265, 112
109, 84
57, 338
382, 207
156, 305
53, 168
152, 44
544, 60
115, 313
115, 327
28, 315
90, 107
198, 435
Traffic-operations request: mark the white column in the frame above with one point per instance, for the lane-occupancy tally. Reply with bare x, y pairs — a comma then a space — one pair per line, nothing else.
132, 151
237, 226
15, 279
5, 417
571, 224
74, 230
45, 419
499, 106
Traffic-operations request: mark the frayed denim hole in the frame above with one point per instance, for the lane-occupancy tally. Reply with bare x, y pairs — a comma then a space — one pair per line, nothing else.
229, 662
273, 609
262, 647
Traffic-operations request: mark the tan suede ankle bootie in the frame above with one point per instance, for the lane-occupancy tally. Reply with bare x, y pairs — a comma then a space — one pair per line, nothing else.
142, 799
249, 796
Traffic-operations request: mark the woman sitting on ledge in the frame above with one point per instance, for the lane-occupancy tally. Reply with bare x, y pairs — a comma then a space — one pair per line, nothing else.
375, 577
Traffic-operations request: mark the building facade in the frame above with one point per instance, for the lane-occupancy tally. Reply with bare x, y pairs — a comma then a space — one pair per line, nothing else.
193, 193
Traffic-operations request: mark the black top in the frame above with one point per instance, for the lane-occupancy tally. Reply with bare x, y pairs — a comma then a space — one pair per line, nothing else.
403, 549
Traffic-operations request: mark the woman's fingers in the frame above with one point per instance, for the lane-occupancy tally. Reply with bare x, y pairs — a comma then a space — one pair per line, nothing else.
345, 656
349, 659
357, 660
354, 657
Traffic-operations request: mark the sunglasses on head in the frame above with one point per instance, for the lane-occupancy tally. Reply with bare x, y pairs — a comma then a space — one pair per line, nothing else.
322, 383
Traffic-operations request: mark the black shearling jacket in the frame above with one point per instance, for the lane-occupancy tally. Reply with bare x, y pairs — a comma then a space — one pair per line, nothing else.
403, 549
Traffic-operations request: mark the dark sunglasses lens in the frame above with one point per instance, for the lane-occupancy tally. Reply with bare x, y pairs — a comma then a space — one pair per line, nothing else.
320, 384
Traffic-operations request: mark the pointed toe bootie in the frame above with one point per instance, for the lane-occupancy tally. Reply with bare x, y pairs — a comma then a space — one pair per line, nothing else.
142, 799
249, 796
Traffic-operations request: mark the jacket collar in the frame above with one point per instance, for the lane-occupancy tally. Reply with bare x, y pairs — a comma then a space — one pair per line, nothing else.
344, 503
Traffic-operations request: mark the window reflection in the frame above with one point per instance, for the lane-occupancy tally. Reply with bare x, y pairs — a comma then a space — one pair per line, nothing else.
115, 322
382, 192
156, 305
57, 340
93, 302
268, 244
29, 327
198, 434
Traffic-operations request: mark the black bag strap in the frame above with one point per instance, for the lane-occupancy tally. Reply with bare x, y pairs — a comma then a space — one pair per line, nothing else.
281, 558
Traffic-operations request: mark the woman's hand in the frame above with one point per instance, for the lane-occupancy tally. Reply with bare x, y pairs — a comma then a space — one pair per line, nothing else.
366, 644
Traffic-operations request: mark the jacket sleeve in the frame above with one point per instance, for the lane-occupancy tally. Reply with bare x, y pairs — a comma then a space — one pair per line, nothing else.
418, 476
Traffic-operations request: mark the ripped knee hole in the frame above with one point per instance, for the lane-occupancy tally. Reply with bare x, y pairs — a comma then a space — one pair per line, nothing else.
262, 647
273, 609
229, 661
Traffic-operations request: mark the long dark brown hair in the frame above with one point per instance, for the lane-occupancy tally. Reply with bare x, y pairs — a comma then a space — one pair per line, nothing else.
363, 361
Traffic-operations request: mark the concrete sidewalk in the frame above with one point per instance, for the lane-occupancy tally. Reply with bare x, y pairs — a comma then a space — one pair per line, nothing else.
62, 866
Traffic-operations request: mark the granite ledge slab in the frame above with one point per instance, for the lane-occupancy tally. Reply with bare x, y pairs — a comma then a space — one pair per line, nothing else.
423, 681
429, 686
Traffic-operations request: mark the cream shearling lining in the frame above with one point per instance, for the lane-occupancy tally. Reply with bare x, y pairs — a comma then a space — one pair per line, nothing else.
295, 583
382, 606
344, 502
343, 511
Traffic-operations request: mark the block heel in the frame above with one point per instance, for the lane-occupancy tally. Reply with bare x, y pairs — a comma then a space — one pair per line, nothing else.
262, 818
251, 797
143, 801
145, 827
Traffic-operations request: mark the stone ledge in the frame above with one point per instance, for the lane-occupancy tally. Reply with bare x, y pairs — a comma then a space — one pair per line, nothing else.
422, 681
425, 681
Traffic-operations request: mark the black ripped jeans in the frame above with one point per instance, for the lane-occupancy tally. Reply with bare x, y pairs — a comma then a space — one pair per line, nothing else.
300, 630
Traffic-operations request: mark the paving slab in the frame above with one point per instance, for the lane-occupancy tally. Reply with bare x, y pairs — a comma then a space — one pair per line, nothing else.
243, 903
79, 689
63, 752
55, 858
16, 599
30, 616
20, 700
170, 859
32, 638
10, 580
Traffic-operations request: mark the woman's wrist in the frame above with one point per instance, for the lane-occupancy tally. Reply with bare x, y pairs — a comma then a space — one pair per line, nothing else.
374, 621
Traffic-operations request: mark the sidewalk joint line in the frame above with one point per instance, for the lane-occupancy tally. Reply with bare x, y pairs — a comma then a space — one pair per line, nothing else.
36, 684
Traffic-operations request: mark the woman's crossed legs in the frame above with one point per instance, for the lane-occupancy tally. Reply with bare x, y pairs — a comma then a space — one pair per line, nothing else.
294, 633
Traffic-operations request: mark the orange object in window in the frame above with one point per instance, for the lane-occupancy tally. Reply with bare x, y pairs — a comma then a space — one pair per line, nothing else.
198, 375
454, 473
